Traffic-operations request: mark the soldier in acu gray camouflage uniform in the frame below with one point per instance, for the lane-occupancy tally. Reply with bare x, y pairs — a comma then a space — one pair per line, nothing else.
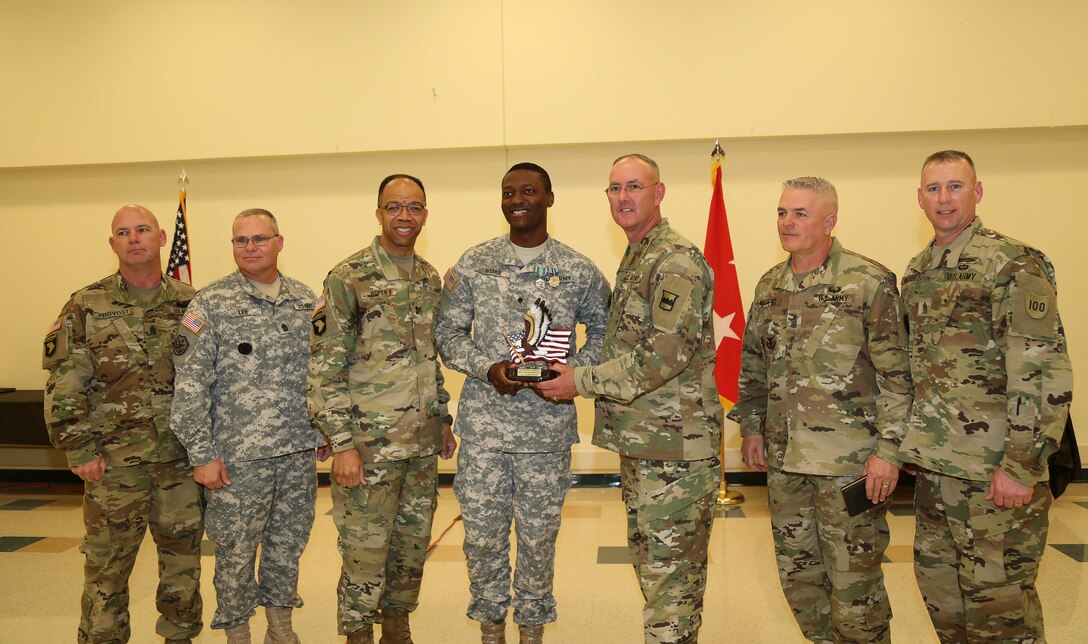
107, 405
657, 403
240, 409
993, 384
824, 399
514, 463
376, 391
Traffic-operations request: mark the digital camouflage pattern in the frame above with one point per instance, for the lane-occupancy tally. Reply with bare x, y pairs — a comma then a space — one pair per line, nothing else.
110, 376
487, 293
108, 395
825, 377
485, 487
992, 377
375, 386
515, 453
269, 503
993, 383
670, 510
828, 561
384, 527
240, 396
654, 387
241, 361
374, 380
976, 563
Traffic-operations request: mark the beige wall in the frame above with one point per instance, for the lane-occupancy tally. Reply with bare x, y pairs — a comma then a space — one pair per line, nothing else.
303, 110
130, 80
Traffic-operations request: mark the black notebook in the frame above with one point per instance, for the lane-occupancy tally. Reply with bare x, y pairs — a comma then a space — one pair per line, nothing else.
853, 494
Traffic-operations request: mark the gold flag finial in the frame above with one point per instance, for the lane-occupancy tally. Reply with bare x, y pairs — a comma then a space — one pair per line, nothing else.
183, 180
718, 152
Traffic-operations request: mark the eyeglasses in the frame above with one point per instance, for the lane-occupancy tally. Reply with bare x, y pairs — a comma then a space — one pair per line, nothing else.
258, 240
632, 189
393, 208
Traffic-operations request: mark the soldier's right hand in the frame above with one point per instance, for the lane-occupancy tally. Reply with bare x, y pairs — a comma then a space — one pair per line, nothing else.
91, 472
753, 449
211, 475
347, 468
496, 375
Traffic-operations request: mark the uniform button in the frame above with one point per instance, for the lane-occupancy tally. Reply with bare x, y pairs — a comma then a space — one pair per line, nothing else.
283, 326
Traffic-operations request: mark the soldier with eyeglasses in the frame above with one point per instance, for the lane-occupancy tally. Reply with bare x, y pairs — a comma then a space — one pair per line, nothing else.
376, 391
656, 401
240, 409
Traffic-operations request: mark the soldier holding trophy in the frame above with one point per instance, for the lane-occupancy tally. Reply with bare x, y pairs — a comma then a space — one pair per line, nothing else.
509, 309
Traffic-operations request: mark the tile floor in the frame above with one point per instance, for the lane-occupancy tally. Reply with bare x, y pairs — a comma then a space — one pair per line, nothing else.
599, 600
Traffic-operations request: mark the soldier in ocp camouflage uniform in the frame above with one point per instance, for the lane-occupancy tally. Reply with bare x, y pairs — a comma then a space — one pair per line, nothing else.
824, 399
107, 407
514, 463
376, 391
240, 410
657, 403
993, 384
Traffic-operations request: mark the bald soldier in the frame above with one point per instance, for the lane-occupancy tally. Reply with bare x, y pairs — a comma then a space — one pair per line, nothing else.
824, 398
993, 382
107, 406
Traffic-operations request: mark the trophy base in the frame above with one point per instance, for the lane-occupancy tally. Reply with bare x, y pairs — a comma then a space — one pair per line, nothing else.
531, 372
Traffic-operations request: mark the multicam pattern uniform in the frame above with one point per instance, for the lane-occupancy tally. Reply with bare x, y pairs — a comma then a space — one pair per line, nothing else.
108, 395
657, 405
993, 384
514, 462
240, 397
375, 386
825, 380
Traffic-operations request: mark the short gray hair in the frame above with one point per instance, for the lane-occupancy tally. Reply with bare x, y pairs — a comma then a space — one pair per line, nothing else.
814, 184
260, 212
641, 157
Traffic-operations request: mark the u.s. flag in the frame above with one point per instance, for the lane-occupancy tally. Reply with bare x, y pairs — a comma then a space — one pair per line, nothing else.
179, 266
553, 347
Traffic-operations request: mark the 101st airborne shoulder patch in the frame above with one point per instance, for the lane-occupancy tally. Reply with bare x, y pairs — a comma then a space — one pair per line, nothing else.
318, 320
1032, 312
49, 347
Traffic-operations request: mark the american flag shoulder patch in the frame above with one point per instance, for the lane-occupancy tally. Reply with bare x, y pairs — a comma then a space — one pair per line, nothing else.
192, 322
449, 279
318, 305
54, 326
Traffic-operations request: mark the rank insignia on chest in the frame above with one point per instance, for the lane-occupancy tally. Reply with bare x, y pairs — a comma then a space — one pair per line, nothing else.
668, 300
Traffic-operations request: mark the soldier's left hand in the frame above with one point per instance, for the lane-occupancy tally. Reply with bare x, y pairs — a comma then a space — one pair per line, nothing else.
559, 388
880, 478
449, 442
324, 452
1007, 492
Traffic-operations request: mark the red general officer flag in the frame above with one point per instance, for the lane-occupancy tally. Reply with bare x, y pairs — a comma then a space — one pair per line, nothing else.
728, 310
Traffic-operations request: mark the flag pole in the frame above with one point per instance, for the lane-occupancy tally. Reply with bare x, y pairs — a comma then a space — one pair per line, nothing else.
726, 498
179, 265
